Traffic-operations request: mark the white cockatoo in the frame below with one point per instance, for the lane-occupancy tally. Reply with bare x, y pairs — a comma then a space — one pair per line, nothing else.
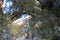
22, 21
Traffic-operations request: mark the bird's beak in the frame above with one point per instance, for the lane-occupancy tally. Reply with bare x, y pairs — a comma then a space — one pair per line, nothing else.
29, 17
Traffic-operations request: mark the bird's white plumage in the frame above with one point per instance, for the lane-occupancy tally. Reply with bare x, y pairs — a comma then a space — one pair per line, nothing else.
22, 21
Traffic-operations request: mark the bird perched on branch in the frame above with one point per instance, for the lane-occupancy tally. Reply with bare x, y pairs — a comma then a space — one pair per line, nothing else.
22, 21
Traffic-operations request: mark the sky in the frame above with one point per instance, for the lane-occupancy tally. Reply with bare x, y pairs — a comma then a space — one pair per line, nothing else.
6, 7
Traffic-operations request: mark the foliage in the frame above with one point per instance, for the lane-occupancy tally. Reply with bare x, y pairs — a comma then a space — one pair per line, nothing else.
42, 24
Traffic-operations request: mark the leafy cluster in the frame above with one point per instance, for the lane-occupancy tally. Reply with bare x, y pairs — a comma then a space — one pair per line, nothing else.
42, 24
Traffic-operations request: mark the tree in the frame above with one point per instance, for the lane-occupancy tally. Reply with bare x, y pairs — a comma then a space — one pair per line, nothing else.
42, 24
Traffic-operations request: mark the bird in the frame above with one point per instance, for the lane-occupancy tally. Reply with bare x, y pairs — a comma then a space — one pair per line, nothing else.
22, 21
